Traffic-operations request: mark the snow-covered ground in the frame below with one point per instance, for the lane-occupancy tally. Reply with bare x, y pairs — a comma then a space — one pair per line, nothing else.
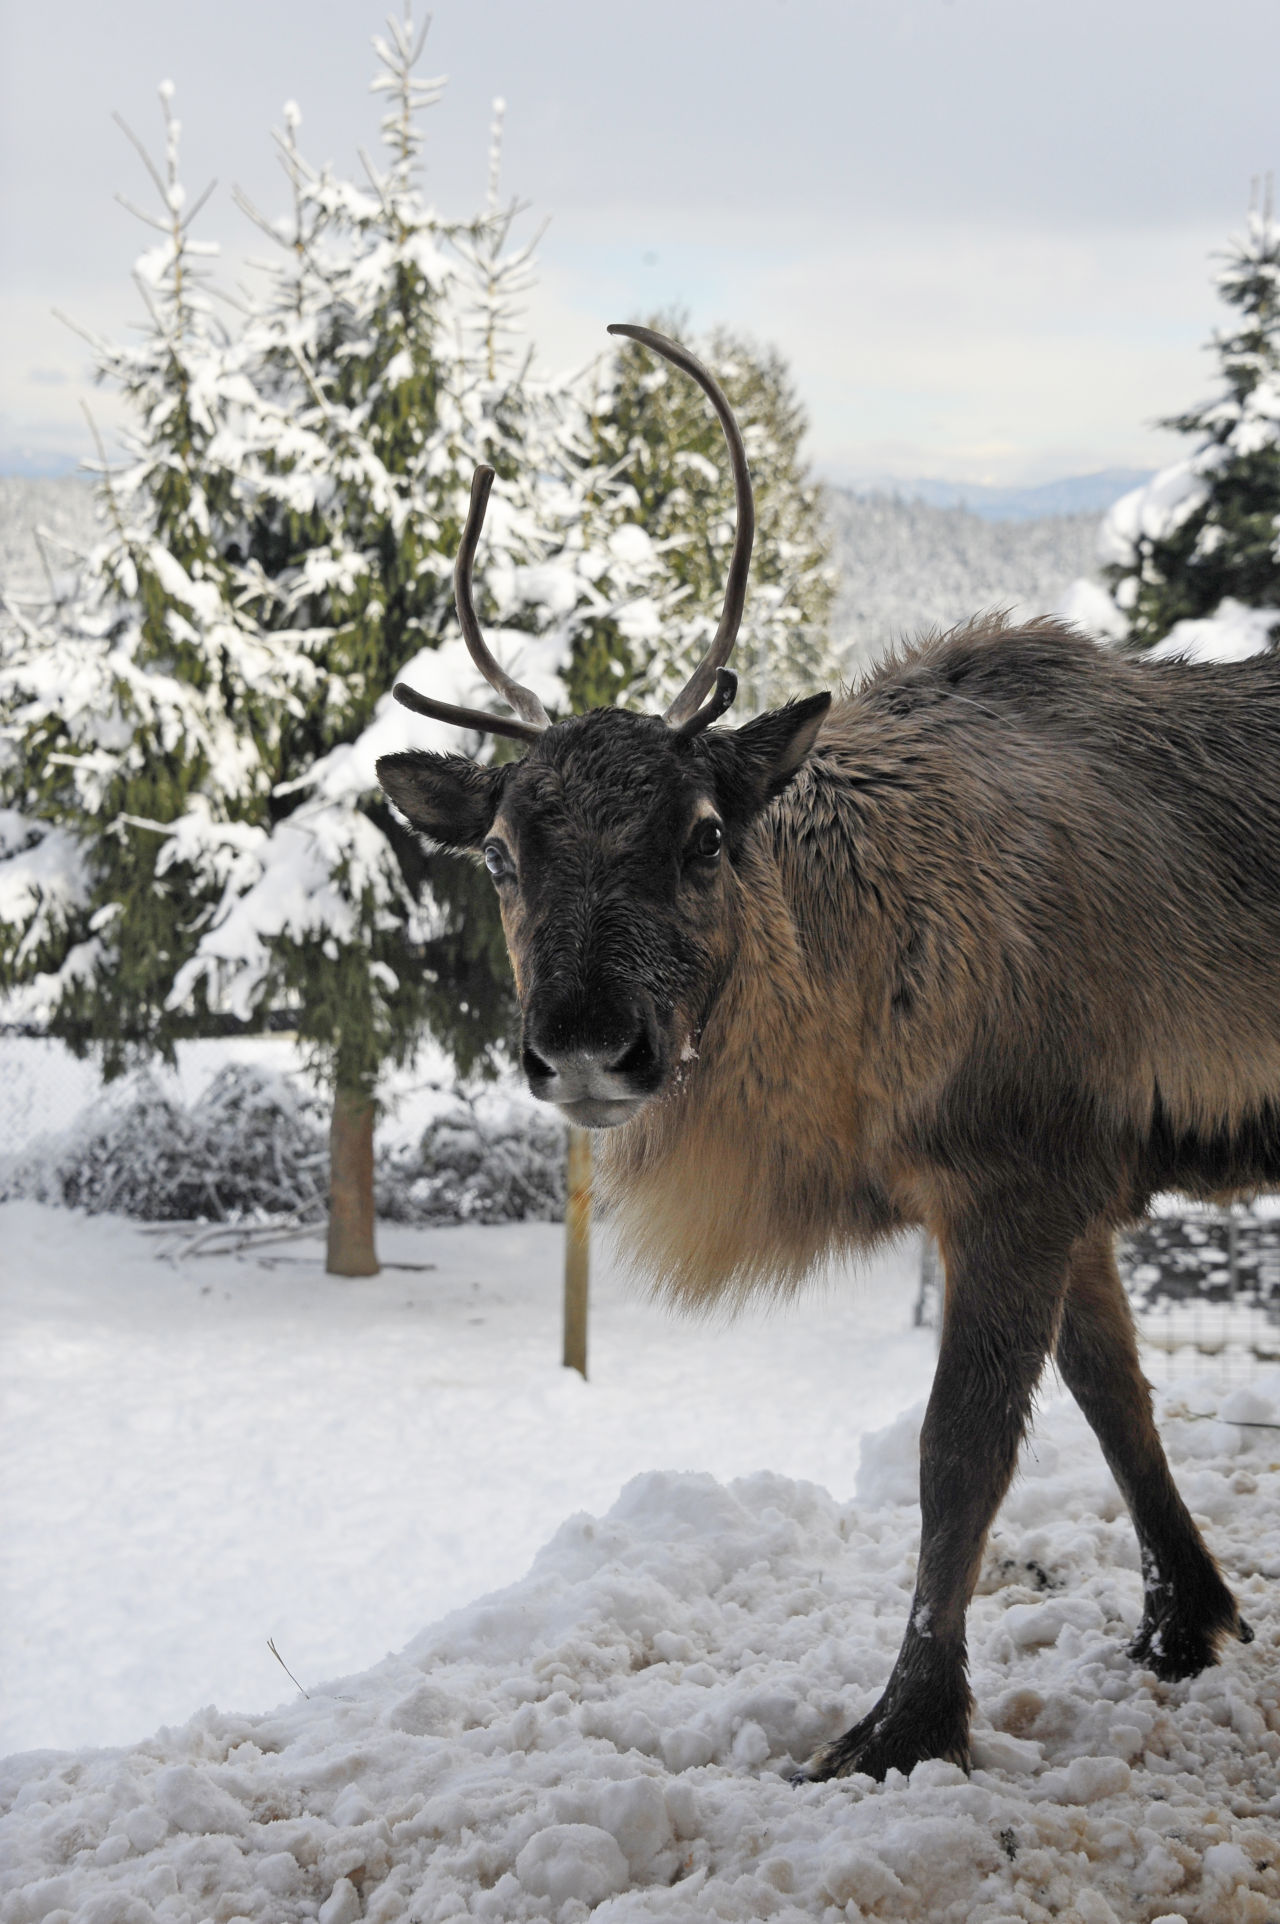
199, 1458
202, 1458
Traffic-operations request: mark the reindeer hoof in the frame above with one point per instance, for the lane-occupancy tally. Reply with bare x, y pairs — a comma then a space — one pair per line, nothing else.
897, 1740
1175, 1649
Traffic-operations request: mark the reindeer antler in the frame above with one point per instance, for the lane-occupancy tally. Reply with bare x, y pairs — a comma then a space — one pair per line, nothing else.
689, 701
534, 717
711, 687
726, 693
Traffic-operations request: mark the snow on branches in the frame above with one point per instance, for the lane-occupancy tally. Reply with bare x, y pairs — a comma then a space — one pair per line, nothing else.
1192, 559
193, 831
652, 450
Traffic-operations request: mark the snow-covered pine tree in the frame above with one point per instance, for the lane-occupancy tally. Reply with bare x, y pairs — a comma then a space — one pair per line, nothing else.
384, 348
146, 698
1192, 560
662, 491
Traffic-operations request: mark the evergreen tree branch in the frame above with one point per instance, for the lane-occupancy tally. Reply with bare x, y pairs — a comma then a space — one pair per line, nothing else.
200, 202
104, 470
139, 213
140, 149
269, 227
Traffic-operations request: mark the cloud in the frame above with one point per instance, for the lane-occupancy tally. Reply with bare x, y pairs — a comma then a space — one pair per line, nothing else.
978, 232
977, 352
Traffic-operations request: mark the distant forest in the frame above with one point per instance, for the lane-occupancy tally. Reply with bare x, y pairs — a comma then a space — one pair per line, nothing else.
905, 566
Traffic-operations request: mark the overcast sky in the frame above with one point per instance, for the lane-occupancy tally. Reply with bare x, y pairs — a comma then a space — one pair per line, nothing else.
979, 230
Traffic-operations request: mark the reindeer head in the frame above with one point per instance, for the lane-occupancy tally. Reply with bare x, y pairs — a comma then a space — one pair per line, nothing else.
616, 843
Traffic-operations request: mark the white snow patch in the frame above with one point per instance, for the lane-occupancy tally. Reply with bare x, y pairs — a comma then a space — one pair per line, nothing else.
1154, 511
1231, 633
239, 1452
612, 1733
888, 1465
1089, 606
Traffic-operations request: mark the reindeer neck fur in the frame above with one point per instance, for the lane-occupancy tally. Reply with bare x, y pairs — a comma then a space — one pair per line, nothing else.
744, 1176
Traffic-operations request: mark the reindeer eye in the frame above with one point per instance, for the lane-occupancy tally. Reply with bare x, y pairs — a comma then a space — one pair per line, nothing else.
497, 861
704, 843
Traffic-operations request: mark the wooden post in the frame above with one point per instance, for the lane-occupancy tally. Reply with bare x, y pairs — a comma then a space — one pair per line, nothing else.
577, 1250
351, 1249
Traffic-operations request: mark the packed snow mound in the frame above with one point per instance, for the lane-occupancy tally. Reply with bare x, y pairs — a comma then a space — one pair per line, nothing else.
613, 1735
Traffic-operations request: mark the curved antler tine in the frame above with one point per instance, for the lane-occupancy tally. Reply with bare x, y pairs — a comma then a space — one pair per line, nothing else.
686, 703
445, 711
725, 693
523, 700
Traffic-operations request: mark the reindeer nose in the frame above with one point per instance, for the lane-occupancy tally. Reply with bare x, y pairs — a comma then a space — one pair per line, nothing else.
597, 1077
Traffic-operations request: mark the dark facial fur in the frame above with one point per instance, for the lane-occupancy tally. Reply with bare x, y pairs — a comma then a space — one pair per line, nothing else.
610, 844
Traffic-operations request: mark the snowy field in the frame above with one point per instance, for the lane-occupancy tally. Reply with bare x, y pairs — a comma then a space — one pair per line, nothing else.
199, 1459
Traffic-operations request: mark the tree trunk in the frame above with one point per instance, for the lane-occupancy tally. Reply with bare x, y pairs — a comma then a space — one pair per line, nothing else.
577, 1250
351, 1250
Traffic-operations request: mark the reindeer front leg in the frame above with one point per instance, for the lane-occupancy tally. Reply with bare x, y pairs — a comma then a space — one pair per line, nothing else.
1002, 1302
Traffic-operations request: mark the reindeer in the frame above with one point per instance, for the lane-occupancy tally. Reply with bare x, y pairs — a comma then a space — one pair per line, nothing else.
989, 945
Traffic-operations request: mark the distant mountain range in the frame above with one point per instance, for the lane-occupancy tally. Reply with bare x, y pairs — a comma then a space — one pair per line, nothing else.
1074, 494
35, 464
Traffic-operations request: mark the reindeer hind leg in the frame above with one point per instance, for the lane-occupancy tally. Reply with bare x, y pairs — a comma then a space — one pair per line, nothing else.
1187, 1607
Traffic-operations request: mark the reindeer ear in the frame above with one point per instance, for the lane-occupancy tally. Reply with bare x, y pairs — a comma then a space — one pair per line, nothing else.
755, 762
777, 742
447, 797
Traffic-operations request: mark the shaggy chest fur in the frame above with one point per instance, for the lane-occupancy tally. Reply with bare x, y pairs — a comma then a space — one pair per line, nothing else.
1013, 921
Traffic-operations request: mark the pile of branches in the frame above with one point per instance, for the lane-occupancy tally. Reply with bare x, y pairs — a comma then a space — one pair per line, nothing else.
254, 1149
483, 1160
253, 1145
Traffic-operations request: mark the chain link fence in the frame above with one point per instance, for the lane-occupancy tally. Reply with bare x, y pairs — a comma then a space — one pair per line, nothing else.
1204, 1284
1205, 1287
42, 1090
